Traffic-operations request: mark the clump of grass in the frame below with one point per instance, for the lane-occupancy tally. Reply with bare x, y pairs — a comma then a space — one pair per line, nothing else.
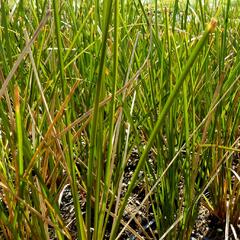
83, 84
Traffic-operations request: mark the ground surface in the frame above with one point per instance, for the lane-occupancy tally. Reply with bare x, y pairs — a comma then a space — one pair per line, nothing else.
207, 227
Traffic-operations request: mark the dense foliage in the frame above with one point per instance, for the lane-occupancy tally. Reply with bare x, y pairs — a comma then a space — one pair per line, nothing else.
85, 84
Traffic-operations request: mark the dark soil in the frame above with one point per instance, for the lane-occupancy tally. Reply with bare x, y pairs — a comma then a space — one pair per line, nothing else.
207, 226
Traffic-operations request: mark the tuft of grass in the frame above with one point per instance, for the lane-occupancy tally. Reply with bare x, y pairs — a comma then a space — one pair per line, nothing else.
85, 86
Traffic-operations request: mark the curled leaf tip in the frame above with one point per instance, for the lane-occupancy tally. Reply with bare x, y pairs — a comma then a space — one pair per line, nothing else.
16, 97
212, 24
